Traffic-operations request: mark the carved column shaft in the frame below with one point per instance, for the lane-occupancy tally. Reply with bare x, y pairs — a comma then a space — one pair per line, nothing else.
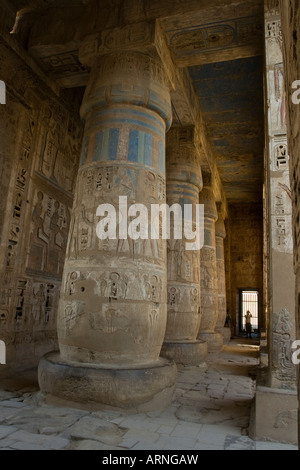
110, 280
222, 311
184, 181
113, 311
208, 270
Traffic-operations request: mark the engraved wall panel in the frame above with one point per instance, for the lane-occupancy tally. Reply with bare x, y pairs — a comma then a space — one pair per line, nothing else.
38, 171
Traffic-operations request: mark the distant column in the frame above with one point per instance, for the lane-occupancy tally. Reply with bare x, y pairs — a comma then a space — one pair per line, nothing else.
222, 311
208, 270
184, 181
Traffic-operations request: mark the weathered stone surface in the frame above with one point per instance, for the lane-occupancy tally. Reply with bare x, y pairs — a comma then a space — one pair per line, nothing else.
40, 156
44, 419
203, 64
246, 254
208, 274
221, 276
94, 387
97, 429
184, 181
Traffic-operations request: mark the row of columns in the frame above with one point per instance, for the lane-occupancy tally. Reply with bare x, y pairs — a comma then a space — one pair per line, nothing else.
122, 314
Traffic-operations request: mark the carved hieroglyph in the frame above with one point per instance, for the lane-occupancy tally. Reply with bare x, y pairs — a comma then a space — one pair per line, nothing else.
208, 270
283, 369
184, 181
35, 214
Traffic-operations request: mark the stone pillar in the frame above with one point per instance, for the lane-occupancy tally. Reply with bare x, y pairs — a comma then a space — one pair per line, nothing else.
184, 181
276, 397
113, 307
220, 256
290, 21
208, 273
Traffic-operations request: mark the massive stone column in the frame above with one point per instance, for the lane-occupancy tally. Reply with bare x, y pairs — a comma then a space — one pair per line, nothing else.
290, 21
208, 272
113, 307
276, 396
184, 181
222, 311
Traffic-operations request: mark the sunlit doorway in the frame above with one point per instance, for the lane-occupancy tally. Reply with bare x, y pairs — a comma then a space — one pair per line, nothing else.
249, 301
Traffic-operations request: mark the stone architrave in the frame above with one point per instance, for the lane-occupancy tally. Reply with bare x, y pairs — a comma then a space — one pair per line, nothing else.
113, 307
222, 311
184, 181
208, 270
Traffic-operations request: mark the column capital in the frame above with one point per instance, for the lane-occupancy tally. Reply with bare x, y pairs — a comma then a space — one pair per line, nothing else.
220, 227
182, 156
208, 199
128, 78
207, 178
146, 37
221, 208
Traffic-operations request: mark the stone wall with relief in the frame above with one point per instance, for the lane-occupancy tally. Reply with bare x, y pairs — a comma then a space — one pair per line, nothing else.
40, 149
245, 248
290, 21
280, 276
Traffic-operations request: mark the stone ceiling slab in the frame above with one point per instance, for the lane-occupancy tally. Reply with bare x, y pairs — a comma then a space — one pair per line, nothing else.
218, 44
231, 100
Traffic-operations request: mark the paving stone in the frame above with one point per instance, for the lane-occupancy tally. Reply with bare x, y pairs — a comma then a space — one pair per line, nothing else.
6, 431
142, 445
175, 443
141, 434
165, 429
274, 446
29, 441
7, 413
89, 444
13, 404
36, 419
6, 443
7, 395
239, 443
129, 443
91, 427
200, 418
186, 430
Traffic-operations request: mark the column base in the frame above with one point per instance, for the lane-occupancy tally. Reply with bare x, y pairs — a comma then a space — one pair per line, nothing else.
226, 333
96, 387
193, 353
274, 416
214, 340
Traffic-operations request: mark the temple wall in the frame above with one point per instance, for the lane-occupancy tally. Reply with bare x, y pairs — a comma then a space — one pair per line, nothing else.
290, 18
40, 147
281, 281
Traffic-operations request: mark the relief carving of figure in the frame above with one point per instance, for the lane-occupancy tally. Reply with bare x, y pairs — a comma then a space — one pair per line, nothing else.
282, 342
39, 303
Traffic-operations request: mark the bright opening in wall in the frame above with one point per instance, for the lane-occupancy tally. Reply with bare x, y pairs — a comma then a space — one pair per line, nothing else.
249, 302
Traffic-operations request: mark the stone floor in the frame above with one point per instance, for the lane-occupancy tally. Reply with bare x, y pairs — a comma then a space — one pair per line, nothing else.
210, 411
